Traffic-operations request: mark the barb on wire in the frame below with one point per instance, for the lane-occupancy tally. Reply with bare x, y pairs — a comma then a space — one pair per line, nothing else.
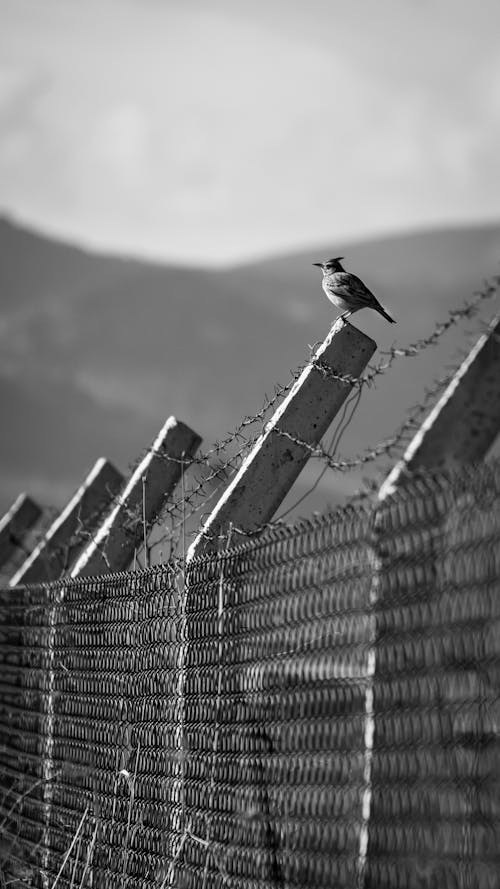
215, 467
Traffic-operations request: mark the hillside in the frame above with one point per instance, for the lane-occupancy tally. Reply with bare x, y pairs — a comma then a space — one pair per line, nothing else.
96, 351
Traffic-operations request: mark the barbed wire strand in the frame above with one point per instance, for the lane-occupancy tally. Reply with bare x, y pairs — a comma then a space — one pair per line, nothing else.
195, 499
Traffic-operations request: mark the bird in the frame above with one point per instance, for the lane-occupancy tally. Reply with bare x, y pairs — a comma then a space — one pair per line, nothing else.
346, 291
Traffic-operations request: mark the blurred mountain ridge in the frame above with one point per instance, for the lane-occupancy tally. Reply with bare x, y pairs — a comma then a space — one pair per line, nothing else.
96, 351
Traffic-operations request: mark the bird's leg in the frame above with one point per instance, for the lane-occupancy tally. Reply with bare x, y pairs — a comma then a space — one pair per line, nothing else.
344, 316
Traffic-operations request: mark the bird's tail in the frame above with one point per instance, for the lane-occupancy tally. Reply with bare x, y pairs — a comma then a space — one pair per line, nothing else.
384, 313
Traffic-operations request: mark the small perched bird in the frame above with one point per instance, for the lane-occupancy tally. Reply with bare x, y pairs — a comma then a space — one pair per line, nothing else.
347, 291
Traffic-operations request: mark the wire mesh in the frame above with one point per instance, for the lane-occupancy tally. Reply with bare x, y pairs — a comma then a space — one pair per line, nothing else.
318, 707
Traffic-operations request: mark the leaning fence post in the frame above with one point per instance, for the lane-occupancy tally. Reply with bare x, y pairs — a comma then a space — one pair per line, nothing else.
261, 484
297, 426
458, 430
465, 421
72, 528
110, 550
112, 546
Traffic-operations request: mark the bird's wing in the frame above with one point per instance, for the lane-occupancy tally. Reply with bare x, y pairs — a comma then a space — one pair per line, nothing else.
350, 285
361, 290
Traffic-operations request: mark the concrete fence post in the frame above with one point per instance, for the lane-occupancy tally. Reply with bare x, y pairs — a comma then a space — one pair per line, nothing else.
72, 528
465, 421
281, 452
140, 501
458, 430
259, 487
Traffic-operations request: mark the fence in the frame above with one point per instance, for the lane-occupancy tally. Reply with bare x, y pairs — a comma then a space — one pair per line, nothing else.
318, 707
178, 496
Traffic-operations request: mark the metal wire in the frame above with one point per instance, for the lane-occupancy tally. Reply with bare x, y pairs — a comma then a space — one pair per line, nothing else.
335, 724
209, 471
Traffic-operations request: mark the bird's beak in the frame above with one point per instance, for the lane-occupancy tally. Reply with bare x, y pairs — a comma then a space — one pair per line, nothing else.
319, 264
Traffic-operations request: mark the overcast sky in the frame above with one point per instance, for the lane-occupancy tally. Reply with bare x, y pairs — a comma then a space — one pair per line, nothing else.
208, 131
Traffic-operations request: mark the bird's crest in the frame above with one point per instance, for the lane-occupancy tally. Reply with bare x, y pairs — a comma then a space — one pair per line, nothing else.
333, 264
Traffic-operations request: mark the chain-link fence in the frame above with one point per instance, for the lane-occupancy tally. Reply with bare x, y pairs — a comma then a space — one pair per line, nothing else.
316, 708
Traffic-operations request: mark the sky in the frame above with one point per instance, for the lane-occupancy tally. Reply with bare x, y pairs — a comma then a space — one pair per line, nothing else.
216, 131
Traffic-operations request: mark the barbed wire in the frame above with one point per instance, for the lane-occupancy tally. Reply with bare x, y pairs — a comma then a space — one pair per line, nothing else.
384, 448
212, 469
198, 498
343, 424
231, 464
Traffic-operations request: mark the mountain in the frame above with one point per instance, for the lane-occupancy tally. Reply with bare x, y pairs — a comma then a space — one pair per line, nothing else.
96, 351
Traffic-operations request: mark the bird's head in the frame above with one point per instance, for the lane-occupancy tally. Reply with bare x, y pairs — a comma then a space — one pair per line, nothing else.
331, 265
